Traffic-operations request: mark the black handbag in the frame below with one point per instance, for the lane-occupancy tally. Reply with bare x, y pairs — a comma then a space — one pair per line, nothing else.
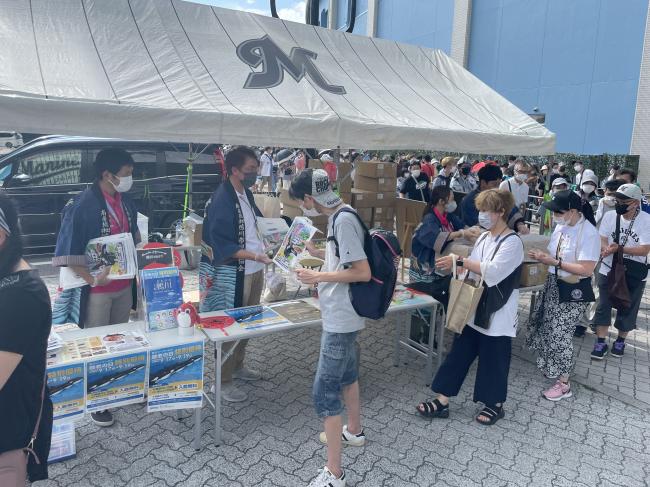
570, 292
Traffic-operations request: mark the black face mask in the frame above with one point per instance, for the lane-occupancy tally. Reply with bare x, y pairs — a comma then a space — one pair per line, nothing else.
465, 170
249, 179
621, 208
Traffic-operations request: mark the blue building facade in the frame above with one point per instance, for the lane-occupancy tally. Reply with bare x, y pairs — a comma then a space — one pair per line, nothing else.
576, 61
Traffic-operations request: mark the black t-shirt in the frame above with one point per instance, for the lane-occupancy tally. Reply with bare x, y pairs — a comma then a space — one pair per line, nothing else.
25, 322
416, 189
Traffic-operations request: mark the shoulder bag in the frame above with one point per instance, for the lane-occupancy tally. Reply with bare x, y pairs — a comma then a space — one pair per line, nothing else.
13, 464
623, 273
574, 289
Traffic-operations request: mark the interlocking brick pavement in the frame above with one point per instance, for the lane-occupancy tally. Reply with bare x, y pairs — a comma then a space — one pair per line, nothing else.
592, 439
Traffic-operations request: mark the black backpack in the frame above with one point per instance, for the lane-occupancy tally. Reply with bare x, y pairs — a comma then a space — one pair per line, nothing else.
371, 299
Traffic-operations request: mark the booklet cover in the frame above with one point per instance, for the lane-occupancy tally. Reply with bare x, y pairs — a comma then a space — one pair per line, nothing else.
272, 231
253, 317
67, 391
114, 251
161, 295
294, 243
297, 311
115, 381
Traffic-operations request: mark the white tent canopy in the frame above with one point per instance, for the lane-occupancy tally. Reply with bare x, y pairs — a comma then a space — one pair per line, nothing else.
171, 70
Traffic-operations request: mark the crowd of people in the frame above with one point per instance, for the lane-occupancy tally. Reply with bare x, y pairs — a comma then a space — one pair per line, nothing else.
604, 237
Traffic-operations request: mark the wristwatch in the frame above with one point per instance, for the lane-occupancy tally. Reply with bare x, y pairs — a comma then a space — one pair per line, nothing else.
459, 262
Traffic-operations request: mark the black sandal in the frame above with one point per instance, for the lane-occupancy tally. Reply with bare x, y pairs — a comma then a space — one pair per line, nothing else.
434, 409
494, 413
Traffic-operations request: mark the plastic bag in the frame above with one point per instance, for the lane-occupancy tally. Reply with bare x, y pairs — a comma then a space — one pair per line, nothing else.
276, 287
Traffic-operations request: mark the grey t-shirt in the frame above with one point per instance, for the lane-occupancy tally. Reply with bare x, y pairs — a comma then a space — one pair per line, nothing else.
336, 308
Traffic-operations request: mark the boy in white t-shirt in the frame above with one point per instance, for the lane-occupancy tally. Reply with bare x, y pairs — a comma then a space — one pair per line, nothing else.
635, 242
338, 365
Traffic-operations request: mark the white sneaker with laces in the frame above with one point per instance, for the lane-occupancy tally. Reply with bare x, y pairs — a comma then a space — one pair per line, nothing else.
327, 479
246, 374
347, 438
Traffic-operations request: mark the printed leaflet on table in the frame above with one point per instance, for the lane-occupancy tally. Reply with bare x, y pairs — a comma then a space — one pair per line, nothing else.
93, 346
404, 295
297, 311
63, 445
162, 294
294, 243
176, 377
67, 391
115, 381
114, 251
254, 317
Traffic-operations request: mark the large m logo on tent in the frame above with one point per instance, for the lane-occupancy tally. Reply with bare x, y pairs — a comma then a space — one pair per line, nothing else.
299, 63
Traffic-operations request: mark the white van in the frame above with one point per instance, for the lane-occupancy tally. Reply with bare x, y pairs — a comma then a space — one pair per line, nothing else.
9, 141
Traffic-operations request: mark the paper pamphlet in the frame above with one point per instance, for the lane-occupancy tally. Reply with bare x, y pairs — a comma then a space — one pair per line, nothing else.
294, 242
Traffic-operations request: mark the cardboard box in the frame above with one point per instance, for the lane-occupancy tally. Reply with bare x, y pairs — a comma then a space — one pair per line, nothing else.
291, 211
533, 274
384, 213
384, 224
377, 185
370, 199
344, 179
314, 164
365, 214
346, 197
375, 170
193, 227
533, 241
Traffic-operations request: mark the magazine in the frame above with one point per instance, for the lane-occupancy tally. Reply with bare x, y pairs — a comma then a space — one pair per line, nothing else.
272, 231
161, 295
115, 251
294, 243
254, 317
297, 311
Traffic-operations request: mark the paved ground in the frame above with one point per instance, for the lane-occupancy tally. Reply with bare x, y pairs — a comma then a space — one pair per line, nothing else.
589, 440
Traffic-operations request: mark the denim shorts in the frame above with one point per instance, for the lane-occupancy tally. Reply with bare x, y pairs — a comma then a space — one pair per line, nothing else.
338, 366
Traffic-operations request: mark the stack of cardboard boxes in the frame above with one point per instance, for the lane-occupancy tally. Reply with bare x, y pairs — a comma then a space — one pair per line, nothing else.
374, 193
291, 209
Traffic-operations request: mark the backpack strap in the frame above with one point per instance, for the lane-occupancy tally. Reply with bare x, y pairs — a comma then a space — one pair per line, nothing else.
332, 238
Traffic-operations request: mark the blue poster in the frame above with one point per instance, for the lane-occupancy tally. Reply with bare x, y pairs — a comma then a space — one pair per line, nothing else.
67, 391
162, 294
115, 381
176, 377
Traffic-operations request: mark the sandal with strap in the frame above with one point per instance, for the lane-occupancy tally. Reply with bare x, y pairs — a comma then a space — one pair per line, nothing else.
434, 409
494, 413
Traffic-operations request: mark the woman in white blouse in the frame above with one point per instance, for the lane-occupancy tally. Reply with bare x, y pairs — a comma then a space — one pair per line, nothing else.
497, 256
572, 255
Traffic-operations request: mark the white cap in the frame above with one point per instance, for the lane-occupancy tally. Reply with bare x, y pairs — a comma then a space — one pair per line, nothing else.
629, 192
589, 176
321, 190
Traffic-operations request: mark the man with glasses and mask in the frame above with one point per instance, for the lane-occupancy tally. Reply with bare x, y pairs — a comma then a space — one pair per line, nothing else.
102, 210
231, 275
634, 240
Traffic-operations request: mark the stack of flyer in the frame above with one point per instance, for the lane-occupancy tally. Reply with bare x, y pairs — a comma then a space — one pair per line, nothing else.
116, 252
63, 445
161, 295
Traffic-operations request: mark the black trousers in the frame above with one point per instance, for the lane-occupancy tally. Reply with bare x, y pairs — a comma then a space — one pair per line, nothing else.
491, 386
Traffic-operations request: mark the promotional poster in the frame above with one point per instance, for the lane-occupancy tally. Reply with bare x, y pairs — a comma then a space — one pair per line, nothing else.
176, 377
67, 391
116, 381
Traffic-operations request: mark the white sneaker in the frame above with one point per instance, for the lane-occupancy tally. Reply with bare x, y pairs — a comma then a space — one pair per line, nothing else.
347, 438
327, 479
246, 374
231, 394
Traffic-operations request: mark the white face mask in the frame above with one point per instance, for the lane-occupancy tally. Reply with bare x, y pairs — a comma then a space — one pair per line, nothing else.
559, 220
609, 200
415, 173
577, 168
451, 207
309, 213
588, 189
521, 177
485, 220
407, 175
125, 184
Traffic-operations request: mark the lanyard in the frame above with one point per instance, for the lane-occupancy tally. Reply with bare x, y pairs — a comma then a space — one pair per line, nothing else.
121, 224
244, 199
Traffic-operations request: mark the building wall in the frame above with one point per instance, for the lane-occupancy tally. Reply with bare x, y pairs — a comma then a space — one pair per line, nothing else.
423, 22
578, 61
361, 22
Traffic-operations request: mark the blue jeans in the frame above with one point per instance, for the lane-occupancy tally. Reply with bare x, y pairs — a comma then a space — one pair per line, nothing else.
338, 366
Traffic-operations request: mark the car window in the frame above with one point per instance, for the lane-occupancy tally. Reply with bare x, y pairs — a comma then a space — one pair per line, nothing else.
144, 158
176, 163
49, 167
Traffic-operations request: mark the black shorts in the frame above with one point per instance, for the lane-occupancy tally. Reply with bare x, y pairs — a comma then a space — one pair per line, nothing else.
625, 320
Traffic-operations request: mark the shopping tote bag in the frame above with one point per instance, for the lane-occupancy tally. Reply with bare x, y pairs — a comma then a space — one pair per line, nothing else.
464, 296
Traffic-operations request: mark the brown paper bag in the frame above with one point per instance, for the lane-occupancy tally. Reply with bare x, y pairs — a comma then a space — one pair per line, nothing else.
464, 296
